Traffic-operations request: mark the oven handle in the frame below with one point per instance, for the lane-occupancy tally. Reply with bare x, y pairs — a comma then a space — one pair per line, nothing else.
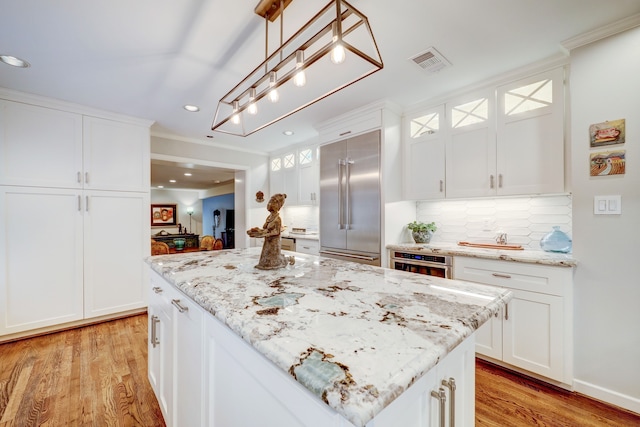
367, 258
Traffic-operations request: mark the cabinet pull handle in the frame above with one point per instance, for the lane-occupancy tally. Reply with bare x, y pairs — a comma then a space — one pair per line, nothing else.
157, 289
86, 177
491, 185
344, 133
441, 185
79, 203
79, 177
506, 312
451, 385
348, 194
86, 203
499, 180
442, 398
504, 276
341, 163
181, 308
154, 335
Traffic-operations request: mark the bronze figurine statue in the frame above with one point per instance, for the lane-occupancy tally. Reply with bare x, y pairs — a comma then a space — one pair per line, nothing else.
271, 257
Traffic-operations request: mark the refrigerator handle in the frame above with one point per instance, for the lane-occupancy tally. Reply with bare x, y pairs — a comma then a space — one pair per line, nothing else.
347, 195
341, 163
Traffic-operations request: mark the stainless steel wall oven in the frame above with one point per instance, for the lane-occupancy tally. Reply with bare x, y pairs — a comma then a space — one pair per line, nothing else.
421, 263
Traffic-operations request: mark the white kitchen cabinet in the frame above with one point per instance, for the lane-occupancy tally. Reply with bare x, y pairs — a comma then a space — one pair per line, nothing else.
114, 275
116, 155
41, 255
188, 378
308, 246
47, 147
296, 173
535, 330
76, 187
176, 354
161, 347
40, 146
424, 155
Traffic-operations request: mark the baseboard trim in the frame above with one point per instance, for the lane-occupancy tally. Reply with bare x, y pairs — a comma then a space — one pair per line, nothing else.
69, 325
609, 396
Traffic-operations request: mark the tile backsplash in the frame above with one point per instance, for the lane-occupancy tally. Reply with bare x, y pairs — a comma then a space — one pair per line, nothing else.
525, 219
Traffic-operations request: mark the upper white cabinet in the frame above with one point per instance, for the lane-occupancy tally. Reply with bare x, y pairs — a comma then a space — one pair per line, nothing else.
530, 135
498, 141
424, 155
296, 173
40, 146
116, 155
46, 147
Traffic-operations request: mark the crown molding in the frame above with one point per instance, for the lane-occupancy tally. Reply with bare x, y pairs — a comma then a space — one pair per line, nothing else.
601, 33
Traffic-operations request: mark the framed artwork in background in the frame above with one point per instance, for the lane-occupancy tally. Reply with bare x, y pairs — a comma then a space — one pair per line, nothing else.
163, 215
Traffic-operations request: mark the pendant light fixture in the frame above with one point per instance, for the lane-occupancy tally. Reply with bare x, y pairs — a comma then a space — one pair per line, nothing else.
333, 50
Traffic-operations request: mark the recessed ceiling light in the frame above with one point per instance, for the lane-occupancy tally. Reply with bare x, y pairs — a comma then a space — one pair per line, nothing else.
14, 61
191, 108
288, 132
160, 186
172, 180
187, 174
210, 136
217, 181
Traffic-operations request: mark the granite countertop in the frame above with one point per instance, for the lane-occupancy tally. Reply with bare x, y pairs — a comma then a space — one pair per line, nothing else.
355, 335
526, 255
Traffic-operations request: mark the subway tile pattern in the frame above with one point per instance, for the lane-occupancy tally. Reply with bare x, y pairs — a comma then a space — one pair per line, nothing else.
525, 219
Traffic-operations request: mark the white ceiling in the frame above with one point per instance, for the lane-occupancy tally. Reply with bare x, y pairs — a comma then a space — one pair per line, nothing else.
147, 58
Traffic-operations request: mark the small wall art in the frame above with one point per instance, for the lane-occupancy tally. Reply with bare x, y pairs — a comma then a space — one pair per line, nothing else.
607, 163
162, 215
607, 133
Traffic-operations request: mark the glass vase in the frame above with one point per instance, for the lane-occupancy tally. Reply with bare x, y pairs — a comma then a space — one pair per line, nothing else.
556, 241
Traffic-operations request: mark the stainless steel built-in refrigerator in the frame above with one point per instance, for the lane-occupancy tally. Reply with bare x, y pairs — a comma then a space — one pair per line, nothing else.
350, 199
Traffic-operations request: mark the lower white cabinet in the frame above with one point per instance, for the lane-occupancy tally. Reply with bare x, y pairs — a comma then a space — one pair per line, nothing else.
308, 246
534, 332
204, 374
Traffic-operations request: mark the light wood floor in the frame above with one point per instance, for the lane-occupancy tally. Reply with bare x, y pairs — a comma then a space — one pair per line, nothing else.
97, 376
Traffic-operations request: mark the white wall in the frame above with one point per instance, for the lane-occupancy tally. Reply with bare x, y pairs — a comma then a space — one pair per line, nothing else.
605, 85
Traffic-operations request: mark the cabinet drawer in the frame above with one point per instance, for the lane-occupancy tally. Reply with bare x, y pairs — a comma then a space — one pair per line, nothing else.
514, 275
350, 126
311, 247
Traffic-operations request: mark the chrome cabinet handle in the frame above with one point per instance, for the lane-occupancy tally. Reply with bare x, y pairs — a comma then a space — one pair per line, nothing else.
441, 186
504, 276
451, 385
181, 308
344, 133
157, 289
442, 398
86, 203
79, 203
506, 312
499, 180
154, 335
491, 184
79, 177
86, 177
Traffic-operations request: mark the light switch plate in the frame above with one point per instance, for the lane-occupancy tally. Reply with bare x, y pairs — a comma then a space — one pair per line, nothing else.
607, 205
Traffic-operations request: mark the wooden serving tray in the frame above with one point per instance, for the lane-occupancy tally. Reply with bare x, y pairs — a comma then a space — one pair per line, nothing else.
491, 246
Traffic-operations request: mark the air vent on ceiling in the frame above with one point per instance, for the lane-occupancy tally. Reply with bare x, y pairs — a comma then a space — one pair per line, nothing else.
430, 60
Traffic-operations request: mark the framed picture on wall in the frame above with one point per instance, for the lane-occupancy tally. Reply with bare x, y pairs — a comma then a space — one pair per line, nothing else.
163, 215
607, 133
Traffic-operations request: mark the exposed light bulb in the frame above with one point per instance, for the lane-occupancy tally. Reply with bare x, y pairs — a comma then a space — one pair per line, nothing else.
338, 53
300, 79
274, 96
235, 119
253, 108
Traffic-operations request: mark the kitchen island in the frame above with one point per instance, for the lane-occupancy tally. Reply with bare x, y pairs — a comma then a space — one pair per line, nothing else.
356, 337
